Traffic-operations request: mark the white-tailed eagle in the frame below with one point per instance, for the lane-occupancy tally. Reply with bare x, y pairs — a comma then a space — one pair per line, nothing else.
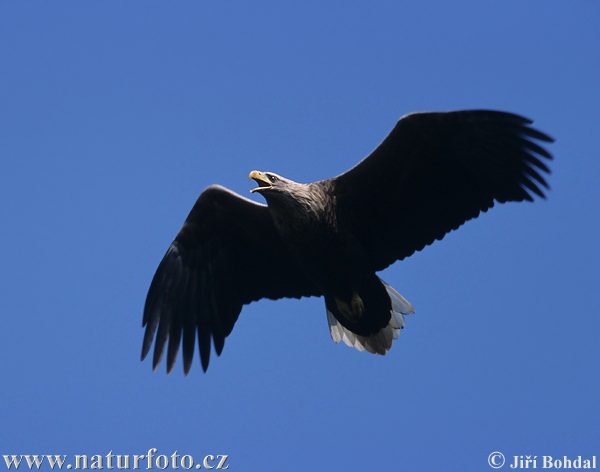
329, 238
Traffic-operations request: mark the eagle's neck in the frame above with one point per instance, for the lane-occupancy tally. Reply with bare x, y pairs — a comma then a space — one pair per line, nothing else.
304, 210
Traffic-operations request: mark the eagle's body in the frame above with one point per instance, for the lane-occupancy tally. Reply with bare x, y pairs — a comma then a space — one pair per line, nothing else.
329, 238
319, 237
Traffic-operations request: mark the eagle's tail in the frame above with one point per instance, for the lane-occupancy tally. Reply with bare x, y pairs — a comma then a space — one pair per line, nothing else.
380, 342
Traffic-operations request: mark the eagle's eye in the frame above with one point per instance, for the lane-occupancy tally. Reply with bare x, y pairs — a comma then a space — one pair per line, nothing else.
272, 178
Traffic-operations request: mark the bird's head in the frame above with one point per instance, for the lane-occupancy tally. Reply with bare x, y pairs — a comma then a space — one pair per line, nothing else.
284, 196
268, 182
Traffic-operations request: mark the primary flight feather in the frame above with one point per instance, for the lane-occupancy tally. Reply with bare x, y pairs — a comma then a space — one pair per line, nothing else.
432, 173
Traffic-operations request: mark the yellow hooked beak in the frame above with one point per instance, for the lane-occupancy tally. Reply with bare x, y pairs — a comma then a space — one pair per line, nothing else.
261, 179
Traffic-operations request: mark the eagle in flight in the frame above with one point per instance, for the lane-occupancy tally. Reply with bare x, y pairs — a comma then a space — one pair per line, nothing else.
432, 173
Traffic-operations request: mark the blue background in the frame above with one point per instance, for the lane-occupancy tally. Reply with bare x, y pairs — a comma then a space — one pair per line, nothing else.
113, 118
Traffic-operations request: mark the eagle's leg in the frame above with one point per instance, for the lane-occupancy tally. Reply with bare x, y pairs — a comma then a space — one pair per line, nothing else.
354, 310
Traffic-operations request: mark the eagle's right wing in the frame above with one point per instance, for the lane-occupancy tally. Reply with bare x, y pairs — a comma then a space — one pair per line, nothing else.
434, 172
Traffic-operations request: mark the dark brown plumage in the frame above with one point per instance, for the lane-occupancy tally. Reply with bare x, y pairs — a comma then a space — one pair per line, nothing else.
433, 172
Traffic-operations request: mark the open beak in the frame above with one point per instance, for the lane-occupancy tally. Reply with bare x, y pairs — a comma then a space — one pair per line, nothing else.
261, 179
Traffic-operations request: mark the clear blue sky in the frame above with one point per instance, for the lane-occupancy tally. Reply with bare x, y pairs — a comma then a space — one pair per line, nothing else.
114, 116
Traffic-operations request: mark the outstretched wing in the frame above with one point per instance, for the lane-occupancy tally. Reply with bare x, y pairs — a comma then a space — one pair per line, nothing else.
434, 172
228, 253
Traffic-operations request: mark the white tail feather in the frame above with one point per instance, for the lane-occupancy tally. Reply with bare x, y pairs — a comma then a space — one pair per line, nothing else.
381, 342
